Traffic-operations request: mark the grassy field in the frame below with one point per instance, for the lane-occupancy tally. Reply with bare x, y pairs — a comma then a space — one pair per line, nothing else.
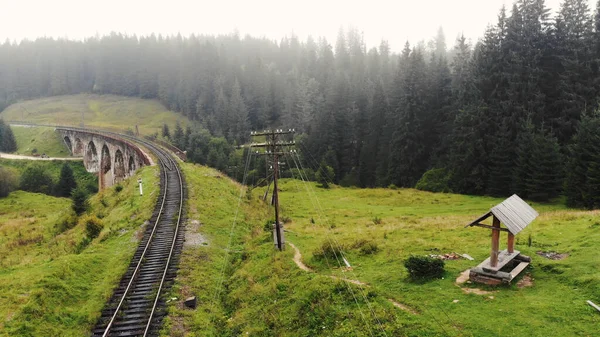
264, 293
43, 139
53, 167
109, 112
51, 282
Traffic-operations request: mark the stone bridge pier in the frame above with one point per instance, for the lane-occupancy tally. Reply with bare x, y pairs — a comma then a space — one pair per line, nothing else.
111, 158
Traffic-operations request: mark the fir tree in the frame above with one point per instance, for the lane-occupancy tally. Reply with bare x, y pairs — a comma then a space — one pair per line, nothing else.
583, 174
178, 136
66, 182
165, 131
7, 138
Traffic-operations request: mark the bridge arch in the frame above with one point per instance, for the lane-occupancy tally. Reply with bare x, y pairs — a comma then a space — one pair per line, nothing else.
106, 160
78, 149
119, 171
90, 160
69, 145
131, 166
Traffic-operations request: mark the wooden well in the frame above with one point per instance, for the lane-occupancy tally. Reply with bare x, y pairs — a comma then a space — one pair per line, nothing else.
503, 266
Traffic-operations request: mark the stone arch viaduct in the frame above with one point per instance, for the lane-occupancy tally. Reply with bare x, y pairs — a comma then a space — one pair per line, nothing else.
112, 158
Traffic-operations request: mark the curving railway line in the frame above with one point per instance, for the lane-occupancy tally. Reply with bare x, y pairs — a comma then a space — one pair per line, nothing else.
136, 307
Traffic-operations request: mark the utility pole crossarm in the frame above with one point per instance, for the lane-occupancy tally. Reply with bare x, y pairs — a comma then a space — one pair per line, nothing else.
290, 143
272, 132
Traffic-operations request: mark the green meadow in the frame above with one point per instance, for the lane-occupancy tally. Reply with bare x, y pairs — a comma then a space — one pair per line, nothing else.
108, 112
246, 287
39, 140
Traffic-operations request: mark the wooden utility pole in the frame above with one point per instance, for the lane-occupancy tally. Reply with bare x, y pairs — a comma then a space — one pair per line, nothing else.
273, 148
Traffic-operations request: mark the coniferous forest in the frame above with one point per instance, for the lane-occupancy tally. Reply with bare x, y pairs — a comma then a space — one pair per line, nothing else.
514, 112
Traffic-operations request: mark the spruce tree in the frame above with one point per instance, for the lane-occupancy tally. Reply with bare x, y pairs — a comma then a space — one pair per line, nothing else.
165, 131
66, 182
7, 138
178, 136
408, 154
546, 178
582, 186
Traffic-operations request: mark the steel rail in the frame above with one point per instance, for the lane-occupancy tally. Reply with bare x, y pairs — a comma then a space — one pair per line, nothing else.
141, 259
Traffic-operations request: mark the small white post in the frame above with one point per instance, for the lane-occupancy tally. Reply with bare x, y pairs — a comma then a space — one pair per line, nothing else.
141, 190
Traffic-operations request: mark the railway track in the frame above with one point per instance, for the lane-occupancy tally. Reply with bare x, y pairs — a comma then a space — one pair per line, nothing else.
137, 307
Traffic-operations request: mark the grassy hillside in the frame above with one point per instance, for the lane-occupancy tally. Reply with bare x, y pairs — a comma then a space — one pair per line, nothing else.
42, 139
109, 112
53, 167
51, 282
264, 293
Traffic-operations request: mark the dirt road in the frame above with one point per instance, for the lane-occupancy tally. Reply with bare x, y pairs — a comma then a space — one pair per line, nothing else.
16, 156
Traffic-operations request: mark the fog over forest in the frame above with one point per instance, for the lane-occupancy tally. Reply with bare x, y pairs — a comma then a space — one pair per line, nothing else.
514, 112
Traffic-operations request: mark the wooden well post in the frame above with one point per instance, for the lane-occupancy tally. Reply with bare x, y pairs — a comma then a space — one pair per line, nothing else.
495, 242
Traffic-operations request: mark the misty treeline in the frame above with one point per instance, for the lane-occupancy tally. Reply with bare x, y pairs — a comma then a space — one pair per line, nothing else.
512, 113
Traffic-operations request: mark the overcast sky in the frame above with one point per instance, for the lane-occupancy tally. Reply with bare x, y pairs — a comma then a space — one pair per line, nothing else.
396, 21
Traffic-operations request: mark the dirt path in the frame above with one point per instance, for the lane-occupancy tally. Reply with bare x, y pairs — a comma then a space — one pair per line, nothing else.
403, 307
20, 157
298, 258
301, 265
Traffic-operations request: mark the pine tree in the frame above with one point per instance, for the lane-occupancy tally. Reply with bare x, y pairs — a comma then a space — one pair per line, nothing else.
501, 163
7, 138
66, 182
178, 136
583, 174
80, 203
369, 156
238, 115
570, 88
547, 172
408, 155
165, 131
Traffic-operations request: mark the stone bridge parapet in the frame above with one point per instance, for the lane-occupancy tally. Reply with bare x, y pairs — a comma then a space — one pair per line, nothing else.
113, 159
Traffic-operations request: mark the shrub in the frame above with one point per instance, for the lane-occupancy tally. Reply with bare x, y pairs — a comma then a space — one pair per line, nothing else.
8, 181
324, 174
424, 267
366, 247
328, 250
65, 223
306, 174
434, 180
118, 188
36, 179
93, 226
369, 248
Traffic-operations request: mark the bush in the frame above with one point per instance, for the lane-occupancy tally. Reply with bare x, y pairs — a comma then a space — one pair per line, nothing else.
306, 174
118, 188
328, 250
434, 180
80, 200
366, 247
65, 223
93, 226
8, 181
424, 267
324, 174
36, 179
